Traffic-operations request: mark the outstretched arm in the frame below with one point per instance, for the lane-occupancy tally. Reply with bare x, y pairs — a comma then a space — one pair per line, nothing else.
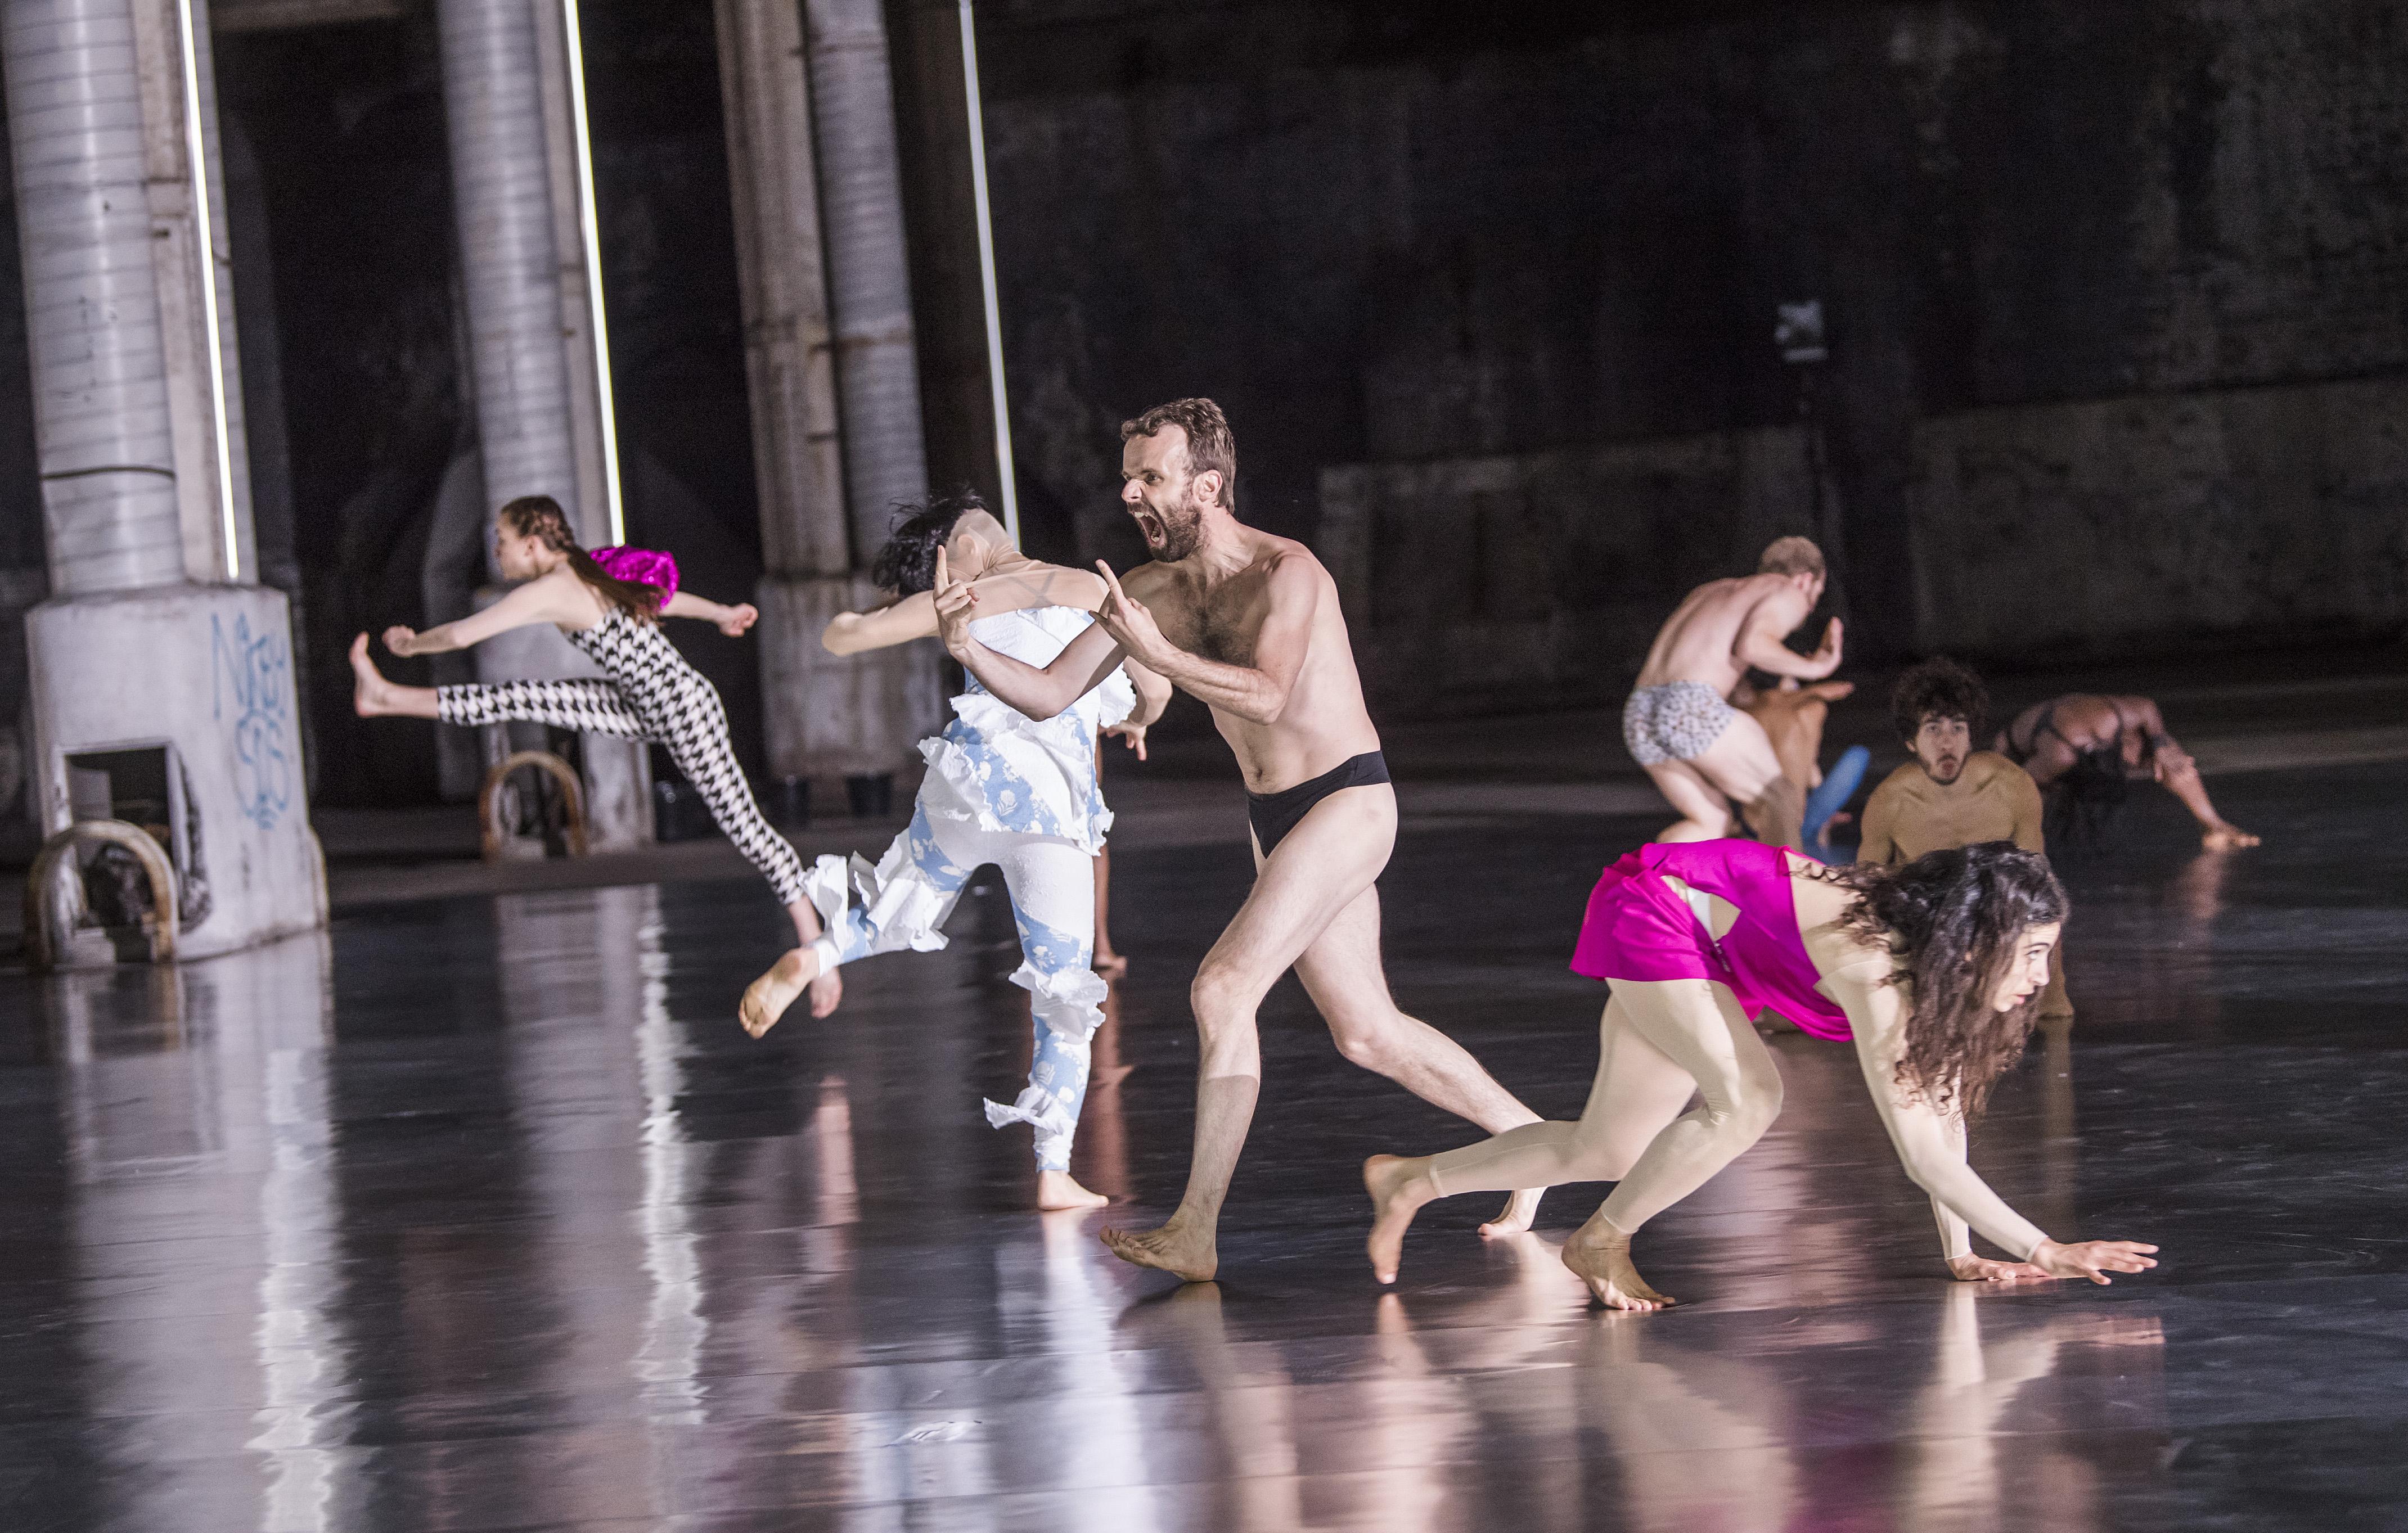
731, 621
915, 616
1040, 693
558, 597
1257, 693
1930, 1144
1759, 643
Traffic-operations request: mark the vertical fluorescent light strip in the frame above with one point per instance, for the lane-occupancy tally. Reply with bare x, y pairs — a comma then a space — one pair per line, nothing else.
196, 150
986, 277
590, 229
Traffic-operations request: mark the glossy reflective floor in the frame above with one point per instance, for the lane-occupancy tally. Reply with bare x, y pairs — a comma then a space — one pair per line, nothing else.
483, 1214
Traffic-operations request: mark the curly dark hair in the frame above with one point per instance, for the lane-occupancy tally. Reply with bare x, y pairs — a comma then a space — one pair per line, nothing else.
907, 564
1941, 688
1954, 921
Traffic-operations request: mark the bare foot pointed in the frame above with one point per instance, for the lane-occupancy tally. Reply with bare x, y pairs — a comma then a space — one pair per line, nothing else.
1604, 1265
1521, 1213
370, 692
1398, 1189
1170, 1249
1057, 1190
766, 1000
2227, 838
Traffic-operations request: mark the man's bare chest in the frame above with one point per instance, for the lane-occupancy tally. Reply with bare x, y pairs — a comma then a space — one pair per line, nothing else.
1221, 627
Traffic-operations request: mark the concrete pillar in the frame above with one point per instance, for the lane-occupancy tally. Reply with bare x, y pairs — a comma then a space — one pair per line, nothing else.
828, 472
530, 330
157, 639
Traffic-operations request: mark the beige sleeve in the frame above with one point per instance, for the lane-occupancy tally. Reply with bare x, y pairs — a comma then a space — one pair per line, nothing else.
1929, 1145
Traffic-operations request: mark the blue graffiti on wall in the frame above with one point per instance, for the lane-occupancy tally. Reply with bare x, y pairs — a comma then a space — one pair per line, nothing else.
253, 678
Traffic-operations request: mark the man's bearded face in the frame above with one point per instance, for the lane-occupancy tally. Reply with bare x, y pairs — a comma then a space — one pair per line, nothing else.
1163, 499
1940, 746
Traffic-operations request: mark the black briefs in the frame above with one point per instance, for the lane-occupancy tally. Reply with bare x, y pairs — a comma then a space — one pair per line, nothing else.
1274, 814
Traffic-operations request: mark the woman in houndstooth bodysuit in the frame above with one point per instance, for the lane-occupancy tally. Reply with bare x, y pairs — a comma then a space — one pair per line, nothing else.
610, 605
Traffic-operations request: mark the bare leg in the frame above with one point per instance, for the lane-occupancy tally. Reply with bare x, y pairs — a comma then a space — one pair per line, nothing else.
1742, 766
373, 697
1331, 856
2218, 834
825, 986
1109, 962
1693, 1028
1343, 973
1705, 813
1778, 815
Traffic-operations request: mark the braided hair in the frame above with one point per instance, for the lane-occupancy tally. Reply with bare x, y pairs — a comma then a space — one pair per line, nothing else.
540, 517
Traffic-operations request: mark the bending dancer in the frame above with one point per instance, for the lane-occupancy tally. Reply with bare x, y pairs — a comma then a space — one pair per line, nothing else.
1249, 623
1793, 717
1950, 795
1001, 789
613, 613
1701, 752
2084, 751
1930, 968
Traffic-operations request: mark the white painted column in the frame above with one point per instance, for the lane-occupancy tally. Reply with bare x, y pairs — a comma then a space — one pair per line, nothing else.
157, 634
530, 328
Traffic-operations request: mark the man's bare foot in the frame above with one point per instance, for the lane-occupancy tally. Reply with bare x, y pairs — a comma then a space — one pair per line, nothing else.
1061, 1190
1172, 1248
1399, 1188
1604, 1265
2227, 838
370, 692
1521, 1213
827, 988
1111, 965
766, 1000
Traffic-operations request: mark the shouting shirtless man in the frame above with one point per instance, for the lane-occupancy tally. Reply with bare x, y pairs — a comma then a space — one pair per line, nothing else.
1249, 623
1701, 752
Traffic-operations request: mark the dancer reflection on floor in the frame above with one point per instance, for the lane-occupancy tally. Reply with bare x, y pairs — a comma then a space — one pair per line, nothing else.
1930, 967
609, 603
1001, 788
2085, 753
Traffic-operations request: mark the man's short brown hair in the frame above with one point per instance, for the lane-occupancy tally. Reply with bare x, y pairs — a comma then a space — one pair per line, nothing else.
1209, 446
1791, 556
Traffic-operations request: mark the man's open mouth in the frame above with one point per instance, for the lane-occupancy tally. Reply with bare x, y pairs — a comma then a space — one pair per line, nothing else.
1150, 526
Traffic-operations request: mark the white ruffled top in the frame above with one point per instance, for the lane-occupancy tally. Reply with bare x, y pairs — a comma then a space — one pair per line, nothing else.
1006, 771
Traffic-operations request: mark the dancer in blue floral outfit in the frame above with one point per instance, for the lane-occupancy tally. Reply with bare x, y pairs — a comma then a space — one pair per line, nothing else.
1001, 788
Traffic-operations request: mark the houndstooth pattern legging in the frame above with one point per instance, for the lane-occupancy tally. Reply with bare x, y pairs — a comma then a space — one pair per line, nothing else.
652, 695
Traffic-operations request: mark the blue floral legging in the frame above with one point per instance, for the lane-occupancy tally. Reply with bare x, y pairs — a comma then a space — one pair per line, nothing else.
1053, 886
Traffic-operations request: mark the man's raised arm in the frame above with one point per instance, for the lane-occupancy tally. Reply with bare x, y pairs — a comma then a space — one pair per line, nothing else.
1258, 693
1759, 643
1079, 670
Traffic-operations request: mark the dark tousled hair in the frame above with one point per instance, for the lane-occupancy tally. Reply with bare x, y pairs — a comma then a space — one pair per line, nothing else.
1210, 444
1941, 688
541, 518
907, 565
1954, 920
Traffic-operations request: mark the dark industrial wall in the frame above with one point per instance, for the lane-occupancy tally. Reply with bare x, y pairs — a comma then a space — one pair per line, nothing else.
2094, 275
24, 571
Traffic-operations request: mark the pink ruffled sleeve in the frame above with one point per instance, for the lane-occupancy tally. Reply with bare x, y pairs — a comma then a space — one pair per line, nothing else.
647, 566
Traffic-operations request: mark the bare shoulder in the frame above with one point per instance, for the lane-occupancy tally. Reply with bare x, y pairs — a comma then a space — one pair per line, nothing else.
1287, 563
1900, 783
1984, 767
1147, 580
